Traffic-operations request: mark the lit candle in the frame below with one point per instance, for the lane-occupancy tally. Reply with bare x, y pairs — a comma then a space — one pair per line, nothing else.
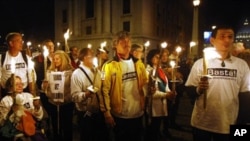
66, 37
145, 51
92, 88
95, 63
172, 64
28, 44
191, 44
164, 45
103, 44
208, 53
45, 55
178, 50
204, 63
31, 65
13, 69
89, 46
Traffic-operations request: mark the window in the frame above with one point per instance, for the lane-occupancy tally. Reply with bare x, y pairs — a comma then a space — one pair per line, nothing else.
126, 26
64, 16
89, 8
88, 30
126, 6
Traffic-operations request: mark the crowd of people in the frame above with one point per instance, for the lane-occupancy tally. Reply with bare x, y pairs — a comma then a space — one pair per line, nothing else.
120, 98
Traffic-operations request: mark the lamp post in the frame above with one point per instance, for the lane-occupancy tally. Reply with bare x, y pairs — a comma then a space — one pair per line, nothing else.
195, 50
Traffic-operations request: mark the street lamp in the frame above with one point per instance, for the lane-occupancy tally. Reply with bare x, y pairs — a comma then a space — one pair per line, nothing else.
194, 52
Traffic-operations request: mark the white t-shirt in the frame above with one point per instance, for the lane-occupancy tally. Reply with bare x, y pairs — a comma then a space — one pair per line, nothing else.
21, 69
222, 95
130, 93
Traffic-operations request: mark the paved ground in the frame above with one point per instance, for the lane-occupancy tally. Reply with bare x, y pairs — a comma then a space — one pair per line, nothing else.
183, 119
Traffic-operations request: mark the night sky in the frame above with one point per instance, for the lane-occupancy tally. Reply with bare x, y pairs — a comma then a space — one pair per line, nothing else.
36, 17
232, 12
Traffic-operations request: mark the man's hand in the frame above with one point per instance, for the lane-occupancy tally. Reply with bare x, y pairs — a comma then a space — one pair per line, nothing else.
202, 85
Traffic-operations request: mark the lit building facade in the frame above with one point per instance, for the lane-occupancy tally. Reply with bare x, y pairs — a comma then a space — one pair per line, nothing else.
95, 21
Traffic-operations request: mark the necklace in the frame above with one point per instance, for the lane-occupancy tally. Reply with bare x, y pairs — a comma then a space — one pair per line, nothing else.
223, 64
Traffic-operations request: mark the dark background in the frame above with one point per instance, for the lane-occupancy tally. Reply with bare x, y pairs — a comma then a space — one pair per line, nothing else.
35, 18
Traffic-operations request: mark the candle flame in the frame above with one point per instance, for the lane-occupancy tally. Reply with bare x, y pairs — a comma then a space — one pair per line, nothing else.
28, 43
147, 44
103, 44
178, 49
210, 53
164, 44
172, 64
66, 35
89, 46
95, 62
192, 43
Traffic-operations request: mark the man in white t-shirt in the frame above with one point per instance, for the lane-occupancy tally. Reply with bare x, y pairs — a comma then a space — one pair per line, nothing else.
217, 103
20, 60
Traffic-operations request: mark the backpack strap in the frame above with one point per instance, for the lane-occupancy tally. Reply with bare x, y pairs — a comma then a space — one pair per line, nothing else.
23, 55
86, 75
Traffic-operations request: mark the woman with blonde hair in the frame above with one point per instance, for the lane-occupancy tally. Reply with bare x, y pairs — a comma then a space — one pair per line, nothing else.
56, 87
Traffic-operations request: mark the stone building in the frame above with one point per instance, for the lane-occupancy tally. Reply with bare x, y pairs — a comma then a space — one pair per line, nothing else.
95, 21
